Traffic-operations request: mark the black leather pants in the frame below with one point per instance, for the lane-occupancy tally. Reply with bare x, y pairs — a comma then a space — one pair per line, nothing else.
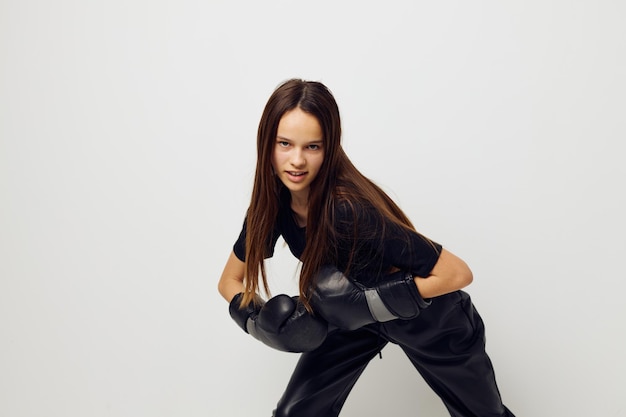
446, 344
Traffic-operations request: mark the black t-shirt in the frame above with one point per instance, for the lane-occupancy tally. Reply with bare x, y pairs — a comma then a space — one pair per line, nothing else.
378, 243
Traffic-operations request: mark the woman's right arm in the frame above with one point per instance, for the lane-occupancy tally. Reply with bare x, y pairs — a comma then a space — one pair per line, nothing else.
231, 281
281, 323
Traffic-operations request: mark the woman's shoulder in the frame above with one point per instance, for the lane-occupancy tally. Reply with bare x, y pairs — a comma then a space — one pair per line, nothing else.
343, 202
348, 208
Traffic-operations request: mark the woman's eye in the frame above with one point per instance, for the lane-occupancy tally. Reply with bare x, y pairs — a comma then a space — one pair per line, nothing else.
314, 147
283, 143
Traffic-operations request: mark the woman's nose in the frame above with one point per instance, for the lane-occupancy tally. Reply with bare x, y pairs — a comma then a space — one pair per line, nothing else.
297, 158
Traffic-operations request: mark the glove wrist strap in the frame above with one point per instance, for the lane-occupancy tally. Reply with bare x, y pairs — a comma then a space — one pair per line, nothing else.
377, 308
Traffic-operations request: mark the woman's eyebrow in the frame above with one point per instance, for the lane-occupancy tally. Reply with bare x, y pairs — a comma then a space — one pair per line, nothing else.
314, 141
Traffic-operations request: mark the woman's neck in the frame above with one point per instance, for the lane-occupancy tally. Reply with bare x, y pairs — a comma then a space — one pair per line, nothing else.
300, 209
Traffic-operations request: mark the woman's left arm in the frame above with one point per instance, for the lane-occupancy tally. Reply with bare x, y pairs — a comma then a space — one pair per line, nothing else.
449, 274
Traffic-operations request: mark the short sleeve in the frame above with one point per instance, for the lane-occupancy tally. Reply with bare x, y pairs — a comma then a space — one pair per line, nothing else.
239, 248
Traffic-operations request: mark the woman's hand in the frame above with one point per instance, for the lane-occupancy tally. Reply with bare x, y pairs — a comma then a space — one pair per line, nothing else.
350, 305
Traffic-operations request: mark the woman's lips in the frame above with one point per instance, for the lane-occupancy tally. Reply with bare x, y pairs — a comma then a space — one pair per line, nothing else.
296, 176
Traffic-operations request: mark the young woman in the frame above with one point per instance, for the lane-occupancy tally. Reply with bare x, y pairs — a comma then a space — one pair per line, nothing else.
367, 277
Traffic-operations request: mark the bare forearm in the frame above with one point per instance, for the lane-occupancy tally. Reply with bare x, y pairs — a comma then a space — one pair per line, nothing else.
231, 281
433, 286
229, 288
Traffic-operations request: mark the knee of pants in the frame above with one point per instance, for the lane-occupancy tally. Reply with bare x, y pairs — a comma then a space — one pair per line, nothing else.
286, 410
305, 410
291, 412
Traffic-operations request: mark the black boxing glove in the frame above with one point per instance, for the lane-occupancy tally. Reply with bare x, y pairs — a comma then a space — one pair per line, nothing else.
350, 305
282, 323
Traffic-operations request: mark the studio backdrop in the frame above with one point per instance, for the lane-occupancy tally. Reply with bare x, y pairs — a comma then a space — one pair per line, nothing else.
127, 154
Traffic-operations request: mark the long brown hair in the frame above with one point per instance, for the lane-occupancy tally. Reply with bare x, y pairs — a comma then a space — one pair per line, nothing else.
338, 179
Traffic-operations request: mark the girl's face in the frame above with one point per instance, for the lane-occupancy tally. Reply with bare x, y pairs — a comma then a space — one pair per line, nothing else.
298, 152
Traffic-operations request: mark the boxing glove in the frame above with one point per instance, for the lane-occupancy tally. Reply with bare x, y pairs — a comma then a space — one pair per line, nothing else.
282, 323
350, 305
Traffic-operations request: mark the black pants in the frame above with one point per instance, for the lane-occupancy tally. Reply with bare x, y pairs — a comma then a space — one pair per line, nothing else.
446, 344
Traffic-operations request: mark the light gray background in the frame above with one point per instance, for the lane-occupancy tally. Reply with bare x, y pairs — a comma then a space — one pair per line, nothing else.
127, 146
